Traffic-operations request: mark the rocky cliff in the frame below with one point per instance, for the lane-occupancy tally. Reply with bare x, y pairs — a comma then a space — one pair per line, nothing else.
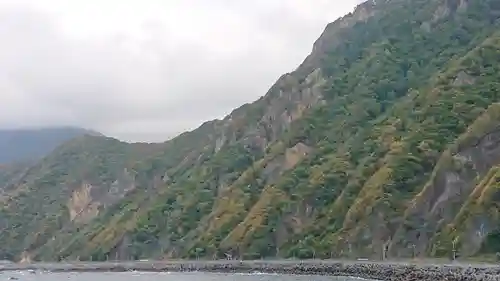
384, 142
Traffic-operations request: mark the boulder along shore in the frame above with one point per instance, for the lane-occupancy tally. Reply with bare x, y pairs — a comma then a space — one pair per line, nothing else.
374, 271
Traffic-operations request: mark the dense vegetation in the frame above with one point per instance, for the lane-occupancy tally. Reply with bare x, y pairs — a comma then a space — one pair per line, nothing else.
385, 138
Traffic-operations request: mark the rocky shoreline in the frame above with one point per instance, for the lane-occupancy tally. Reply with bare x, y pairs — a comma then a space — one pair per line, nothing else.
374, 271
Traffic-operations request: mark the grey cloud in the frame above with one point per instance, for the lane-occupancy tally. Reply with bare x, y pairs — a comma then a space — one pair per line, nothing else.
168, 77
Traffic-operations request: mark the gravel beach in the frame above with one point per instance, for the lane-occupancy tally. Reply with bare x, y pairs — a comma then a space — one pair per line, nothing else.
366, 270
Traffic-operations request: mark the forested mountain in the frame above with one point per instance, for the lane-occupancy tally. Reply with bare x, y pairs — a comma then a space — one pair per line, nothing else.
386, 137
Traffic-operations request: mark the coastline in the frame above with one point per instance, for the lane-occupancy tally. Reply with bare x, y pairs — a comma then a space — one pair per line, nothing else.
365, 270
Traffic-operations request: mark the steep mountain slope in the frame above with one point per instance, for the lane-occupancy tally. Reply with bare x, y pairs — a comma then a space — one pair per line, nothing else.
32, 144
385, 139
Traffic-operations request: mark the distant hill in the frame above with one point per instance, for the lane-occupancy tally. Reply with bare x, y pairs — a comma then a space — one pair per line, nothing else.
30, 144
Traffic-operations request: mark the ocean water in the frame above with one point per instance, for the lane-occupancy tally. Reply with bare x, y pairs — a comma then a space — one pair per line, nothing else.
163, 276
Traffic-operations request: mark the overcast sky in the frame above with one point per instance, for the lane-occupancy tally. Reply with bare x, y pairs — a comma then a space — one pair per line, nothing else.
147, 70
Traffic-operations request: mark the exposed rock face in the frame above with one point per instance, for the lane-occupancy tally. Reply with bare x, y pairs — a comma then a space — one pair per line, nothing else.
87, 200
122, 250
81, 206
25, 258
442, 200
285, 103
463, 79
120, 187
291, 157
295, 154
331, 35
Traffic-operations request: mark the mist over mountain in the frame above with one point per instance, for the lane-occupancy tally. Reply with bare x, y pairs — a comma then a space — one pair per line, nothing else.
31, 144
